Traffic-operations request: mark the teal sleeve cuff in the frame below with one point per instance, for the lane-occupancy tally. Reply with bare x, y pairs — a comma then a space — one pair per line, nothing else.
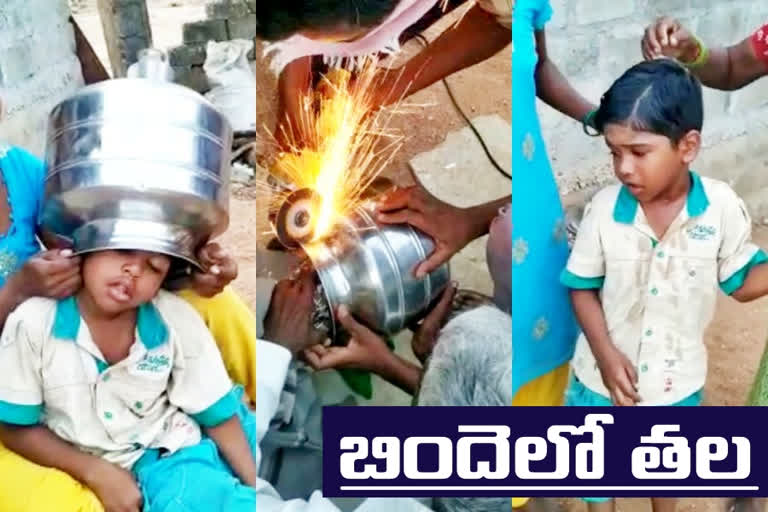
571, 280
736, 281
17, 414
218, 413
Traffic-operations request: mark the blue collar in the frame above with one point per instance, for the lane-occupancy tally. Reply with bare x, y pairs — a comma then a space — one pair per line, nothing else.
625, 209
153, 332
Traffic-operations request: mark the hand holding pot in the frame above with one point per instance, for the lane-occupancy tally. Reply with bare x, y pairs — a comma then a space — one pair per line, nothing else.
450, 227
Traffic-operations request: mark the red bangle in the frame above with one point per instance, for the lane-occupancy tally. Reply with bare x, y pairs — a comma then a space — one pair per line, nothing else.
760, 43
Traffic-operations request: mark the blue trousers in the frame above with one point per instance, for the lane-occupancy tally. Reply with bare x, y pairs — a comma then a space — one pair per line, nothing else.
196, 478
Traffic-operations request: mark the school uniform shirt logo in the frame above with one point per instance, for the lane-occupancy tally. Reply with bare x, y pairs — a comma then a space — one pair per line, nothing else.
701, 232
154, 363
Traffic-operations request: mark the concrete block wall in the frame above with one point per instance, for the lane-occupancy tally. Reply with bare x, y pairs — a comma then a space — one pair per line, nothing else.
38, 67
594, 41
226, 20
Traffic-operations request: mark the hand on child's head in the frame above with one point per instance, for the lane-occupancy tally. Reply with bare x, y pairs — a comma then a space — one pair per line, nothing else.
220, 270
54, 274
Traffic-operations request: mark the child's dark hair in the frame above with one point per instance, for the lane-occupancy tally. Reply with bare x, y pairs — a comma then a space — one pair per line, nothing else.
658, 96
278, 19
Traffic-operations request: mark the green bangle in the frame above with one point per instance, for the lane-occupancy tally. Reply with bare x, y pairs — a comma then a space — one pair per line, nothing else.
701, 58
588, 121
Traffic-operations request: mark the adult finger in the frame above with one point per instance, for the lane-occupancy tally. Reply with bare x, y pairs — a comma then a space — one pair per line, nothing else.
52, 281
679, 36
312, 358
443, 307
396, 199
338, 357
54, 264
434, 260
356, 329
647, 49
412, 217
206, 281
227, 268
67, 288
55, 254
665, 29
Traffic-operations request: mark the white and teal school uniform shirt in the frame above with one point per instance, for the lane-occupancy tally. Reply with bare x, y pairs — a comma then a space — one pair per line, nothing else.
658, 296
172, 382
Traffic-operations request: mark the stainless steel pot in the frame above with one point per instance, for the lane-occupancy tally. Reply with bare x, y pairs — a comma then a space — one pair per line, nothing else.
369, 268
137, 163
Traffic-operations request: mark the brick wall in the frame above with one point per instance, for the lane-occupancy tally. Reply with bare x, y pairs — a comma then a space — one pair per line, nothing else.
226, 20
38, 67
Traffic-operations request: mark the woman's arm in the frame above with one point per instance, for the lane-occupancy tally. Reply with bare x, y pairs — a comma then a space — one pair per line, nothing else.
52, 274
554, 89
726, 68
230, 439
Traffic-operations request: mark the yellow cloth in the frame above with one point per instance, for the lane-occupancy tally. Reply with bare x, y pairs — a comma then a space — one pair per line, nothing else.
27, 487
233, 326
547, 390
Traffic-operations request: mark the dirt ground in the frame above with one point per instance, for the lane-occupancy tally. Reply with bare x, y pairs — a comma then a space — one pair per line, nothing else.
735, 339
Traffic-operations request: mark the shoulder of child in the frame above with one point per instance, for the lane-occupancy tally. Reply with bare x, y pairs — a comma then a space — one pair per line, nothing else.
36, 308
175, 310
182, 319
719, 192
604, 201
32, 316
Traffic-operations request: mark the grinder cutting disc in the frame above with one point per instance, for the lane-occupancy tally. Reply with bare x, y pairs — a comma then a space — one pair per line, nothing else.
293, 223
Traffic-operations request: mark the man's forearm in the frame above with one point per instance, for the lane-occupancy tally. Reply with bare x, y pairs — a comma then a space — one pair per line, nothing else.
294, 83
482, 215
401, 373
478, 37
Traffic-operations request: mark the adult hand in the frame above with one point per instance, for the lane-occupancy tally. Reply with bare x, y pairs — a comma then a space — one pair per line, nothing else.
450, 227
425, 336
116, 488
366, 350
289, 319
220, 270
667, 37
619, 376
54, 274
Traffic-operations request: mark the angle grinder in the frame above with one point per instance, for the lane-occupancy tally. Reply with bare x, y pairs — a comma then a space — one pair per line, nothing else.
293, 224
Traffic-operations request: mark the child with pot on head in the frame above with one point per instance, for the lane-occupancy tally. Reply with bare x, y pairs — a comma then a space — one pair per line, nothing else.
122, 387
652, 250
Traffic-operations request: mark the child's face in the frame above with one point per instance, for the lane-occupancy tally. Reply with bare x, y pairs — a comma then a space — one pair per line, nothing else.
647, 163
121, 280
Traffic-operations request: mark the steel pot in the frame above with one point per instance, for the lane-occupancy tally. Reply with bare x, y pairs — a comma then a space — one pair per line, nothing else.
137, 163
369, 268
